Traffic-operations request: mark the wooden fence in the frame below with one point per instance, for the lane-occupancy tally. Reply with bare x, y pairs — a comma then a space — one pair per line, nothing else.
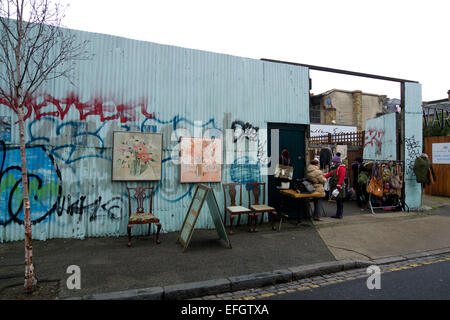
442, 185
351, 139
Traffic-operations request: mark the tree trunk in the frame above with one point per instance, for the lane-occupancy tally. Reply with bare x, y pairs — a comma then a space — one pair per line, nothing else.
30, 280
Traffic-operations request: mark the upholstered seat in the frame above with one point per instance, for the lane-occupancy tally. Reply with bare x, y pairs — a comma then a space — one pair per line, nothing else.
141, 215
261, 207
238, 209
235, 209
258, 206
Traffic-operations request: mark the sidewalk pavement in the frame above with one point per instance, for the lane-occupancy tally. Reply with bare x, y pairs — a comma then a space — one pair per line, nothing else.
108, 265
373, 236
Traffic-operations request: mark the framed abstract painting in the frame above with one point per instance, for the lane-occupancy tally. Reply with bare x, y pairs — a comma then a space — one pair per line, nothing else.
136, 156
201, 160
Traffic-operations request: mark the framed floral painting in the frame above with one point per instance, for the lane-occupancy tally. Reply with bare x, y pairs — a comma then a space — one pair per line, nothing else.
136, 156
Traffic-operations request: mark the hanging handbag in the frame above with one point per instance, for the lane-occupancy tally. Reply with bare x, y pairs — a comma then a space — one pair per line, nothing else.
284, 172
395, 179
362, 178
386, 173
375, 186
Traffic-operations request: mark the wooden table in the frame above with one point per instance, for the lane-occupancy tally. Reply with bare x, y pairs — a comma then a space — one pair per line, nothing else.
294, 194
302, 198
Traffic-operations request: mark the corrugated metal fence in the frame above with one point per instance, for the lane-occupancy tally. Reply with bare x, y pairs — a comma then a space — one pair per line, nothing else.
135, 86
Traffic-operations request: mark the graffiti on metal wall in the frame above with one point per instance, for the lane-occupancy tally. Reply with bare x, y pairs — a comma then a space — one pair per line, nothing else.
413, 150
55, 136
247, 169
245, 131
241, 130
243, 171
45, 188
44, 184
110, 209
47, 106
374, 138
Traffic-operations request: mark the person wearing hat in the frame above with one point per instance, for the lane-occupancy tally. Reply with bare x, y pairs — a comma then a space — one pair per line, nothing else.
284, 158
337, 175
315, 175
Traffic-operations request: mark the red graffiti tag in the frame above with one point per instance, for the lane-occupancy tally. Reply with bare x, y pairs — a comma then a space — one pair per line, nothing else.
49, 106
373, 137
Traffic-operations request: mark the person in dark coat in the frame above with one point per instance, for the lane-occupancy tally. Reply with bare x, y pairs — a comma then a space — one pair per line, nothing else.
325, 156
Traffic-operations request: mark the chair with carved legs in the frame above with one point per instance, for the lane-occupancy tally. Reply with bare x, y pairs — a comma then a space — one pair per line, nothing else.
256, 207
140, 216
234, 209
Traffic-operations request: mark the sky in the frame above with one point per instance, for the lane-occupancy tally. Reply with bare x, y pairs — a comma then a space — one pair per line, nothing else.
394, 38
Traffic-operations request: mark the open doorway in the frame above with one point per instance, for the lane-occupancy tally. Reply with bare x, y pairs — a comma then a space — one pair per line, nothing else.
354, 112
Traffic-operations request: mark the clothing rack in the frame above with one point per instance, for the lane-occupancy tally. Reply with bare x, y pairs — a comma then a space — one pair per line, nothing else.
400, 203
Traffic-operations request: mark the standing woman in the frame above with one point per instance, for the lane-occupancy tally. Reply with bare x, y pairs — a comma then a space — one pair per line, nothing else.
315, 175
337, 175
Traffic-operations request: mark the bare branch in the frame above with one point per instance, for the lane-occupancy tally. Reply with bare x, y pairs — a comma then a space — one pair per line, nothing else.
46, 50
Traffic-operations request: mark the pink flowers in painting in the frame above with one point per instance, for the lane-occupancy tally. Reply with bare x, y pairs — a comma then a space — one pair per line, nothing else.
135, 155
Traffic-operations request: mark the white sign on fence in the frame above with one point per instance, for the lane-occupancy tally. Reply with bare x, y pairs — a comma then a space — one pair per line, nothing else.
441, 153
323, 129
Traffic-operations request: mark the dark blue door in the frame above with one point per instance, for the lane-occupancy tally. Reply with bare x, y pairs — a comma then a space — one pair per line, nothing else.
292, 138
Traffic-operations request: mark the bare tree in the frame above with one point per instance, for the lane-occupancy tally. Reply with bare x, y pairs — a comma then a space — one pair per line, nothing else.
34, 48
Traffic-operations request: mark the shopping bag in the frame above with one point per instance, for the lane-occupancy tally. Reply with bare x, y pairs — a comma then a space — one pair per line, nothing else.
375, 187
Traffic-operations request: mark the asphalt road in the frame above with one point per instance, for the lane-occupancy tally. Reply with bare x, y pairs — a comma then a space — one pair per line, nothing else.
428, 282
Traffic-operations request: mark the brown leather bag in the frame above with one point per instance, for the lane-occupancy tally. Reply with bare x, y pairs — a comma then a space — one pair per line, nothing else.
375, 186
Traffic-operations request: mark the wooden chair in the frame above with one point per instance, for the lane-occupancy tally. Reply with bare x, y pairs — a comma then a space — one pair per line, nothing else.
140, 216
258, 208
234, 209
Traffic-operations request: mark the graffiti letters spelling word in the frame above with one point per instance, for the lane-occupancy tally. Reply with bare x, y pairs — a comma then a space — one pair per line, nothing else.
93, 210
48, 106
